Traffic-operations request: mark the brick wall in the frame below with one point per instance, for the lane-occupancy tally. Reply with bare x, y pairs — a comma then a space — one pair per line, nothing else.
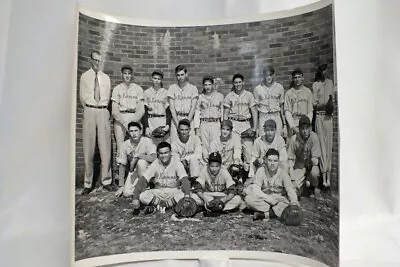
221, 50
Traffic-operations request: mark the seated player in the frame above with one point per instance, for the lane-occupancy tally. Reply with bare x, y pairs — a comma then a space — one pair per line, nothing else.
304, 152
261, 145
188, 149
271, 185
216, 182
170, 180
138, 151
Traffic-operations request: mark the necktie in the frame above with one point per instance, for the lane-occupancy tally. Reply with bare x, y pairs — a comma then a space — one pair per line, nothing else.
96, 89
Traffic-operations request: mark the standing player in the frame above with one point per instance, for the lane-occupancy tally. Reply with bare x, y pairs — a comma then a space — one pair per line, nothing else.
267, 194
157, 107
138, 152
170, 180
323, 92
127, 105
298, 102
240, 108
188, 149
95, 88
304, 153
210, 112
182, 101
270, 98
216, 182
263, 143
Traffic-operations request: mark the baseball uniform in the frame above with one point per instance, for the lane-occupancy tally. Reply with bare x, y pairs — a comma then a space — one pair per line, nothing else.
190, 151
269, 101
324, 123
129, 100
229, 150
270, 191
240, 114
182, 98
94, 97
217, 186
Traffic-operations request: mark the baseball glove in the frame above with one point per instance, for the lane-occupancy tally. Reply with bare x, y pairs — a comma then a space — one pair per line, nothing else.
236, 171
292, 215
215, 205
186, 207
308, 164
248, 134
159, 132
329, 107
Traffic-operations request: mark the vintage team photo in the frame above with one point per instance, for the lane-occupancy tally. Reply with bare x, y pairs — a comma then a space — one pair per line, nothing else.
217, 137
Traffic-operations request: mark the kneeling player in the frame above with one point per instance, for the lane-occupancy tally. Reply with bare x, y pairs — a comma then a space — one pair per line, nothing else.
170, 180
215, 182
267, 194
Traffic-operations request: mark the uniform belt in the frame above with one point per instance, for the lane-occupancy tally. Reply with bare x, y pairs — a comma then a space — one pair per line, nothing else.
156, 115
237, 119
182, 114
298, 115
270, 112
127, 111
320, 112
209, 119
98, 107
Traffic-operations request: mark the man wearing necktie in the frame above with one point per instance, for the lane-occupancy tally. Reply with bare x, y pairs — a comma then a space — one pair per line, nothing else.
95, 87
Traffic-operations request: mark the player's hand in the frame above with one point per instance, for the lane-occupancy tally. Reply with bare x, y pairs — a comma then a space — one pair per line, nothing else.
166, 128
148, 132
149, 108
295, 203
295, 130
136, 204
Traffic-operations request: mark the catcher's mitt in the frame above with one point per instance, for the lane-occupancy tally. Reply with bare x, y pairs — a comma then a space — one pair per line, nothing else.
329, 107
215, 205
159, 132
186, 207
248, 134
308, 164
236, 171
292, 215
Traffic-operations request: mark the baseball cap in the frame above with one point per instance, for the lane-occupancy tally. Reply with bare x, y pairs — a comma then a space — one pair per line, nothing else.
158, 72
126, 67
227, 123
208, 78
215, 157
304, 120
270, 123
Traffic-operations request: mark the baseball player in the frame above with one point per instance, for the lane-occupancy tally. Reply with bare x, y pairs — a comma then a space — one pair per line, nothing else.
298, 102
270, 99
323, 91
216, 182
240, 107
267, 194
139, 152
304, 149
228, 144
157, 111
183, 98
188, 149
263, 143
170, 179
95, 88
127, 105
210, 109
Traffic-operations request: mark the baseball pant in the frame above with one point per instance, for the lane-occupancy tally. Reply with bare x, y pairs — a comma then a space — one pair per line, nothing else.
324, 130
298, 177
132, 178
258, 201
247, 144
230, 205
120, 130
263, 117
97, 122
209, 131
174, 131
153, 196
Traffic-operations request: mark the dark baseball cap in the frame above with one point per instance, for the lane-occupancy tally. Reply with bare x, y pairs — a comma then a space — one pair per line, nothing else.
215, 157
126, 67
304, 120
270, 123
158, 72
227, 123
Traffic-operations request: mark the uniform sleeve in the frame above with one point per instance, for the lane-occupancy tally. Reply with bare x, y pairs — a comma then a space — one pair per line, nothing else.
151, 171
228, 178
256, 93
197, 149
140, 94
175, 151
252, 101
202, 177
227, 101
314, 92
122, 157
288, 102
255, 152
287, 183
310, 102
258, 177
292, 148
146, 98
180, 170
282, 94
166, 102
150, 147
171, 92
115, 94
315, 147
195, 92
283, 155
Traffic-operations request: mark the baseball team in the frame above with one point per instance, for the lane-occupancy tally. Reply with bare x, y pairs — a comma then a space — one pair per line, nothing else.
253, 151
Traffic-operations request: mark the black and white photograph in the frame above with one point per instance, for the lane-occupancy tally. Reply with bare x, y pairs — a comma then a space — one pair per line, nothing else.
209, 137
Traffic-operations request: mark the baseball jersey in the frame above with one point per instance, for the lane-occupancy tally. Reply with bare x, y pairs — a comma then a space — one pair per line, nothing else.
279, 183
188, 150
229, 150
145, 146
156, 101
210, 106
261, 147
270, 98
86, 88
183, 97
165, 176
299, 101
239, 105
322, 90
299, 150
127, 97
217, 183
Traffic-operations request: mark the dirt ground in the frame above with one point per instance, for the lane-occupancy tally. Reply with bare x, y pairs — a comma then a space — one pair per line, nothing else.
105, 225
